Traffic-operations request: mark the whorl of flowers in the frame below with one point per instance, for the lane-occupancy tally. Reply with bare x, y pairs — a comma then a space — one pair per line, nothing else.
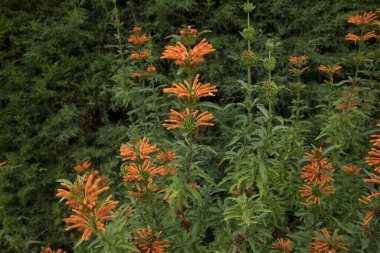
324, 243
317, 177
147, 241
373, 199
91, 211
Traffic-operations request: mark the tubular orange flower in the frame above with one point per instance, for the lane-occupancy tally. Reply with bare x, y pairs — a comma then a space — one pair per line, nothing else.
137, 29
143, 172
137, 74
330, 69
84, 193
190, 31
137, 150
317, 172
352, 171
138, 56
282, 245
324, 243
90, 222
2, 164
364, 19
149, 70
181, 56
166, 157
49, 250
314, 155
297, 60
365, 37
192, 93
138, 39
148, 241
82, 167
345, 106
188, 121
370, 215
314, 193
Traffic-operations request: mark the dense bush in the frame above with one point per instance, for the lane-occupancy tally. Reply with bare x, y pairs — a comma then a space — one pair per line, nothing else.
294, 93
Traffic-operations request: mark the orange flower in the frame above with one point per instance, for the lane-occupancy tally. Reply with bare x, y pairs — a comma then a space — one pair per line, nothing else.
344, 106
93, 221
146, 193
84, 193
138, 39
368, 217
282, 245
314, 155
374, 159
352, 171
295, 70
181, 56
138, 56
148, 242
190, 122
324, 243
166, 157
314, 194
192, 93
137, 74
144, 172
298, 60
2, 164
364, 19
330, 69
82, 167
195, 186
137, 29
150, 69
190, 31
49, 250
137, 150
317, 172
355, 38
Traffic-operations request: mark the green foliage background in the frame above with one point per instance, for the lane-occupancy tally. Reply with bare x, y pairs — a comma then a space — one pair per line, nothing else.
59, 102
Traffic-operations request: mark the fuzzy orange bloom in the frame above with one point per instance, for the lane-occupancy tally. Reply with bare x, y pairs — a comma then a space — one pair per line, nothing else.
166, 157
192, 93
90, 222
143, 172
137, 150
282, 246
82, 167
297, 60
138, 56
137, 29
324, 243
188, 121
364, 19
150, 69
352, 171
49, 250
84, 193
314, 194
330, 69
148, 242
191, 31
181, 56
365, 37
138, 39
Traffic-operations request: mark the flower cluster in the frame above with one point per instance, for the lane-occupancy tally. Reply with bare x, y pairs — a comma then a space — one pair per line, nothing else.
317, 176
139, 171
83, 196
324, 243
373, 199
148, 242
330, 70
141, 55
282, 246
188, 58
49, 250
298, 62
190, 120
367, 19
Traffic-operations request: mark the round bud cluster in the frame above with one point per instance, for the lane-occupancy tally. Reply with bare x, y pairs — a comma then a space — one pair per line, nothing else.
269, 63
248, 7
249, 33
185, 224
270, 89
248, 192
269, 45
358, 60
190, 124
377, 211
249, 58
239, 239
117, 23
296, 85
148, 196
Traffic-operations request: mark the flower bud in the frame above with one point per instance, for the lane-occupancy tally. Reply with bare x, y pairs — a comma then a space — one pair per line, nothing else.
270, 89
249, 33
239, 239
269, 45
248, 7
269, 63
249, 58
190, 124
